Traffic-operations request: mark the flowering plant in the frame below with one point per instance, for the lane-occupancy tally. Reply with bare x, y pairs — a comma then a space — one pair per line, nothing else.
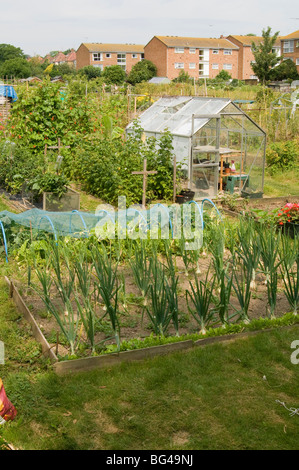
289, 213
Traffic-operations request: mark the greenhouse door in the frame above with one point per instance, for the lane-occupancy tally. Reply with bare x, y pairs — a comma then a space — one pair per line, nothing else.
204, 164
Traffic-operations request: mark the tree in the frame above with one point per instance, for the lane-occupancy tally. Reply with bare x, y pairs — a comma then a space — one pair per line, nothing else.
223, 75
142, 72
114, 75
19, 68
183, 77
286, 70
90, 72
265, 58
7, 52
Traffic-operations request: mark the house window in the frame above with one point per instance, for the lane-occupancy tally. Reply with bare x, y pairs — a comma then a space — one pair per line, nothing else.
134, 56
98, 66
227, 66
297, 44
215, 66
192, 65
253, 77
108, 56
192, 50
297, 61
121, 60
215, 51
97, 56
179, 50
201, 54
179, 65
227, 52
288, 46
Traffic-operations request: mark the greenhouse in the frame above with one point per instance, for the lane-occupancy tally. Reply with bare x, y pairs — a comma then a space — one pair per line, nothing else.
220, 148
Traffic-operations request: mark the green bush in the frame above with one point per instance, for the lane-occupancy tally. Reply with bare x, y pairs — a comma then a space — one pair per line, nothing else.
282, 155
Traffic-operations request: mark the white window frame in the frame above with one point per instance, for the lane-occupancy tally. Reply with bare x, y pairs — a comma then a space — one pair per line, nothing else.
192, 65
192, 50
227, 66
122, 60
179, 50
179, 65
288, 46
97, 57
215, 66
99, 66
215, 51
297, 61
134, 56
108, 55
227, 51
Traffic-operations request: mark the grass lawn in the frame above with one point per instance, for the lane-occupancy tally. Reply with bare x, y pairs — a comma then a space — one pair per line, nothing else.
221, 396
282, 184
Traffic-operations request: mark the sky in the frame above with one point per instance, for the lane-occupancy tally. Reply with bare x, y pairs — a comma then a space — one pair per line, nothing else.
38, 27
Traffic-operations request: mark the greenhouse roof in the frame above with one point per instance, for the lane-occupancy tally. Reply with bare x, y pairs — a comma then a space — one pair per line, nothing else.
174, 113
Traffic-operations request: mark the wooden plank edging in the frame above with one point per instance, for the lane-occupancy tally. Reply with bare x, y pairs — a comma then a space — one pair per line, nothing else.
106, 360
37, 333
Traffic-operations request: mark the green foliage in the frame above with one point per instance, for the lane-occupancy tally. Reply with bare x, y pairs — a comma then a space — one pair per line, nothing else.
183, 77
50, 183
282, 155
141, 72
264, 58
223, 75
114, 75
45, 112
286, 70
17, 67
90, 72
7, 52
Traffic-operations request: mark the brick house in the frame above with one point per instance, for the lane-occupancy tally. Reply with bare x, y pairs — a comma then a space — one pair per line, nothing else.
71, 58
199, 57
246, 56
290, 47
103, 55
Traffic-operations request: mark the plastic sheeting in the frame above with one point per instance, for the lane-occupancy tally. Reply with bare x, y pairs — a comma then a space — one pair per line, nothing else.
8, 91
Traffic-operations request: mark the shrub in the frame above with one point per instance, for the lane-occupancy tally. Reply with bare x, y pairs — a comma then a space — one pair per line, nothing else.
282, 155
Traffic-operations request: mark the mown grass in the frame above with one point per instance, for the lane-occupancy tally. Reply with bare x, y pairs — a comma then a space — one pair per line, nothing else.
282, 183
221, 396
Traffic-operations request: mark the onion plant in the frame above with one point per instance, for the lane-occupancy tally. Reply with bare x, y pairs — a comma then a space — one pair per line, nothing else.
159, 311
83, 296
222, 302
185, 253
201, 297
68, 323
241, 279
290, 270
269, 243
142, 270
248, 250
217, 246
107, 285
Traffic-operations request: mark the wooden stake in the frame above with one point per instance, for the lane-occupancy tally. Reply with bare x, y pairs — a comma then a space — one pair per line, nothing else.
144, 173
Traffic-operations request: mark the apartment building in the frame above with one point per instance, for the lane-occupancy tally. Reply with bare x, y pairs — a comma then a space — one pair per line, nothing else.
290, 47
199, 57
103, 55
246, 57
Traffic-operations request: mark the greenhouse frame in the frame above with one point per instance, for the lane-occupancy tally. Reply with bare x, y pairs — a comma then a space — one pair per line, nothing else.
219, 147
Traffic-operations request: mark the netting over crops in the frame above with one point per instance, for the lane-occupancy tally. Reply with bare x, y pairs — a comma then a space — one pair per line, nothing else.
107, 223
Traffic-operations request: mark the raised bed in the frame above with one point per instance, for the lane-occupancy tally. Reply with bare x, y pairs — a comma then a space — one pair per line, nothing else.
110, 359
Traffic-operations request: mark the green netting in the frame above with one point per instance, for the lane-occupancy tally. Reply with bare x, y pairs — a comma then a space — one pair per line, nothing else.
82, 224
